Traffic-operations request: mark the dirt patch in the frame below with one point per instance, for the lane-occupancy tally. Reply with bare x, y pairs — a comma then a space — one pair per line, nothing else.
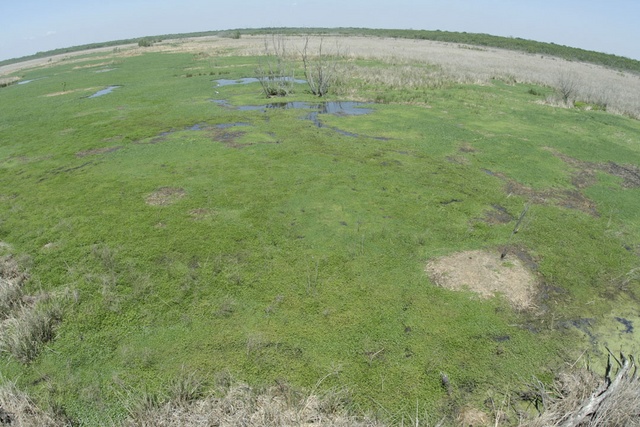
164, 196
95, 151
485, 274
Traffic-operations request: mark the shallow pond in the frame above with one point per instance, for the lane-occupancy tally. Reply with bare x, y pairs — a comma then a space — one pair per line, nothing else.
337, 108
24, 82
104, 91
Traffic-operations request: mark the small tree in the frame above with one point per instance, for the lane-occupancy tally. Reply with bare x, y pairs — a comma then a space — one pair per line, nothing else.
319, 70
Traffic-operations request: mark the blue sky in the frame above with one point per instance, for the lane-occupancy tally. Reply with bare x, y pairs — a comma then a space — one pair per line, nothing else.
29, 26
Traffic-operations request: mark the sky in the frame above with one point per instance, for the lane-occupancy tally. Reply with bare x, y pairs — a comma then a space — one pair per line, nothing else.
30, 26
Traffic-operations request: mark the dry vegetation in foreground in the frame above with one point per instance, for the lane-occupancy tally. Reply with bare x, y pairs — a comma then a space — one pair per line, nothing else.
240, 405
27, 322
577, 399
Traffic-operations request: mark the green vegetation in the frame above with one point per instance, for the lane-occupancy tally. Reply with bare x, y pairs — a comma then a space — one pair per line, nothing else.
261, 245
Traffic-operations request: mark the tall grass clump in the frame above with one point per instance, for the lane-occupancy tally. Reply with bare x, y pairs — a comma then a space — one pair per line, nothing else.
238, 404
10, 296
18, 409
28, 330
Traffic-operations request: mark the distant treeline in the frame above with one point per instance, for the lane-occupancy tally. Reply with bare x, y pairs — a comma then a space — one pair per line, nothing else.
485, 40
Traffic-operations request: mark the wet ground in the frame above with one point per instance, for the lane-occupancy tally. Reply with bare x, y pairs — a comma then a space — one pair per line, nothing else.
104, 91
336, 108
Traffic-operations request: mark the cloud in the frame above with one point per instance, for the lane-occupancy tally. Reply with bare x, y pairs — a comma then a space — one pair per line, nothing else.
50, 33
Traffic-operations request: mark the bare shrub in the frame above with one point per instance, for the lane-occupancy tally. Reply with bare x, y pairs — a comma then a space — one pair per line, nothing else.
276, 71
320, 68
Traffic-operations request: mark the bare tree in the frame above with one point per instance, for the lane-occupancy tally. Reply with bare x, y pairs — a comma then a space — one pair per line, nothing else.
567, 87
320, 69
276, 72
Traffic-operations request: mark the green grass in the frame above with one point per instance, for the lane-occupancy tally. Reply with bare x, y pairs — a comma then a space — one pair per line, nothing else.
296, 251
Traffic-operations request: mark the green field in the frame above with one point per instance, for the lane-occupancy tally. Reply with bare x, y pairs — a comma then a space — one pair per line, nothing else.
261, 245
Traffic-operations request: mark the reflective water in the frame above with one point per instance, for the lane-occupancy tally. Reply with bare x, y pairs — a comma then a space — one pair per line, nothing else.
24, 82
104, 91
346, 108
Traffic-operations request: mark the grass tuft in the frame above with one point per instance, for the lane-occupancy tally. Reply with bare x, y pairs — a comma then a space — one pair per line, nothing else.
28, 330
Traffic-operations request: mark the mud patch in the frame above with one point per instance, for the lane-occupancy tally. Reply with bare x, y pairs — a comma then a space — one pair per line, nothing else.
630, 174
497, 215
465, 147
628, 324
95, 151
586, 174
165, 196
229, 138
485, 274
571, 199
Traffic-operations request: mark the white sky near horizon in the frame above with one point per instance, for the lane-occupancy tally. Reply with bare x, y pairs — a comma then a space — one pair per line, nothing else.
30, 26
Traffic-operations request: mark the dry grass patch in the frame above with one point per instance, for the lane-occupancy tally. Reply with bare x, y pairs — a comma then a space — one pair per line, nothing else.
485, 274
581, 399
27, 322
241, 405
17, 409
164, 196
202, 213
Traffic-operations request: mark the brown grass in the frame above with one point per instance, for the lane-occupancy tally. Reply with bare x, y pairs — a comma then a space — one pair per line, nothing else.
17, 409
573, 390
241, 405
164, 196
27, 322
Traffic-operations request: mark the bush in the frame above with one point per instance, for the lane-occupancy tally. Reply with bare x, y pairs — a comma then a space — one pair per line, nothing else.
145, 42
